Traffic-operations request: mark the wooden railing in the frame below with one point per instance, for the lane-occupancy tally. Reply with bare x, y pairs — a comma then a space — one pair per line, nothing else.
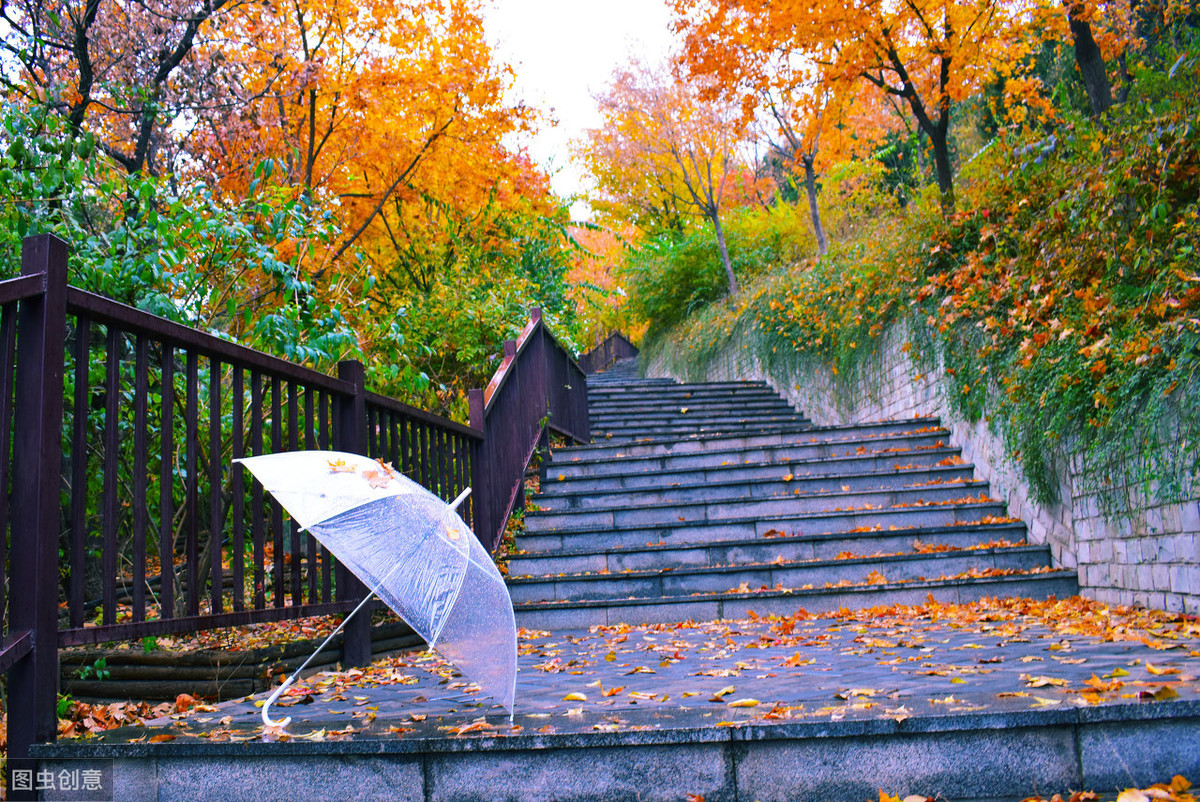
539, 387
118, 429
615, 346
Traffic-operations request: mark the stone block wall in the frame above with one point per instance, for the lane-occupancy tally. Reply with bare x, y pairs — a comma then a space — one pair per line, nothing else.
1151, 560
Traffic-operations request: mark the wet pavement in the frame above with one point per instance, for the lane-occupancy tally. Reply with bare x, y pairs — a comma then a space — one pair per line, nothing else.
894, 664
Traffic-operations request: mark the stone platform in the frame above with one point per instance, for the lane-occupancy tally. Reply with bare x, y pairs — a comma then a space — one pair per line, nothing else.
976, 702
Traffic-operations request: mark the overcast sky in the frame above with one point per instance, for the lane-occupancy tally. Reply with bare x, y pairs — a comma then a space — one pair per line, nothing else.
562, 52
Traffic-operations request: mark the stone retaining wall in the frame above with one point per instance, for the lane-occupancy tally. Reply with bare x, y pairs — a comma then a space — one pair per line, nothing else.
1152, 560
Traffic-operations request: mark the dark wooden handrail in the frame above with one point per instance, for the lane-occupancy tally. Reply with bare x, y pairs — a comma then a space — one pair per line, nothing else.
118, 429
538, 387
105, 310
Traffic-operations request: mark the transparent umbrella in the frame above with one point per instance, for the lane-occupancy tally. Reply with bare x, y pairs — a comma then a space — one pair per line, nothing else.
411, 549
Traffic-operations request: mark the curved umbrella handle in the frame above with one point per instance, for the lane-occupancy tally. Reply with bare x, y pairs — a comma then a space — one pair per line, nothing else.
266, 708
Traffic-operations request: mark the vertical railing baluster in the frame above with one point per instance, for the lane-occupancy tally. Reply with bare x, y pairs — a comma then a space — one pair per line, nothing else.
192, 486
216, 528
394, 438
79, 470
141, 522
324, 439
426, 462
404, 465
445, 486
257, 511
8, 342
310, 443
111, 504
277, 583
166, 485
237, 558
293, 437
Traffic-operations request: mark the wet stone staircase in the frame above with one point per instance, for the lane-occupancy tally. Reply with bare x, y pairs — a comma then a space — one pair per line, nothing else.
707, 501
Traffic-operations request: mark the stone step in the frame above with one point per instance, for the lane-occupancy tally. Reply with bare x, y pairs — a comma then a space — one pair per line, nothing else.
689, 581
635, 386
670, 413
780, 484
664, 752
558, 478
754, 527
791, 548
842, 439
600, 403
635, 391
711, 606
681, 434
628, 515
636, 419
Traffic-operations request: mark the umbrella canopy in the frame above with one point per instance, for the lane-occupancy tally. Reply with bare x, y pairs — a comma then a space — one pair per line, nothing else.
410, 548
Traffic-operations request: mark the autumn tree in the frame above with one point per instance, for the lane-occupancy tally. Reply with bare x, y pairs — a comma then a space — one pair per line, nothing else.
664, 145
125, 71
927, 54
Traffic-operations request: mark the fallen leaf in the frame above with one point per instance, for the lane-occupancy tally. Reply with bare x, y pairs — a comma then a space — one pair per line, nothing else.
574, 697
1132, 795
716, 697
744, 703
1042, 682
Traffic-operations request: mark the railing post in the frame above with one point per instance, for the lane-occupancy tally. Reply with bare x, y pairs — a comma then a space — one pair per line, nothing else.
37, 464
350, 434
481, 486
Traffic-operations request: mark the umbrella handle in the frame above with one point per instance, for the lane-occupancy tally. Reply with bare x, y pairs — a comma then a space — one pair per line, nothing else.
267, 720
266, 709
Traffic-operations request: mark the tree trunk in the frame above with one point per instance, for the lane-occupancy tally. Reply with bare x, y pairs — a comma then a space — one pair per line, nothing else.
940, 139
810, 184
1090, 61
716, 220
